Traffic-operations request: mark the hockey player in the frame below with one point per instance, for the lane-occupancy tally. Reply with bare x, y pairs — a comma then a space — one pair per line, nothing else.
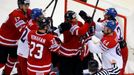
10, 32
23, 50
41, 44
110, 14
85, 54
93, 68
72, 29
108, 46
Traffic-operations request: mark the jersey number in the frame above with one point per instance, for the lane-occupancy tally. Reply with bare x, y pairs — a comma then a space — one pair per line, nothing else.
118, 50
119, 32
38, 54
24, 35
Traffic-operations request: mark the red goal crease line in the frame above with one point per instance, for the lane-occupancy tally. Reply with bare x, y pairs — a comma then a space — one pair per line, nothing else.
93, 6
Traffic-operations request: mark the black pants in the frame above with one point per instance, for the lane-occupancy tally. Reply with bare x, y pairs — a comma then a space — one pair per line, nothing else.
5, 51
70, 66
86, 60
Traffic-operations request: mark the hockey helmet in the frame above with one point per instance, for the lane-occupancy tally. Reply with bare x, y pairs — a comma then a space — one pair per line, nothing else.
36, 12
111, 12
93, 65
23, 2
69, 15
111, 24
42, 22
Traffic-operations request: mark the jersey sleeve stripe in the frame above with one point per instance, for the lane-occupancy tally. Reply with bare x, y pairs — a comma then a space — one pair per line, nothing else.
73, 29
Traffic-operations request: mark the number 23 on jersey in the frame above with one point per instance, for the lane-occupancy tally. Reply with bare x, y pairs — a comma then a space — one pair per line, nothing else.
39, 52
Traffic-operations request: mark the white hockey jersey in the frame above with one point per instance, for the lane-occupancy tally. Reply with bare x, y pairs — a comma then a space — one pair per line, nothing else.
110, 49
23, 48
118, 30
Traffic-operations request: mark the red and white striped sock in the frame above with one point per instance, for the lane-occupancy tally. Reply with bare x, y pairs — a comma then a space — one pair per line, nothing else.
9, 65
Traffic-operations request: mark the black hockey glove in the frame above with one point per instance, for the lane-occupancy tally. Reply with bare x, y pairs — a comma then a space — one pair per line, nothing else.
91, 30
53, 28
64, 27
84, 16
122, 43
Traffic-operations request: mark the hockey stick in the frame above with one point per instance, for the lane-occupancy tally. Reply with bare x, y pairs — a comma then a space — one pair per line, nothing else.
95, 9
48, 6
56, 1
54, 7
52, 11
92, 19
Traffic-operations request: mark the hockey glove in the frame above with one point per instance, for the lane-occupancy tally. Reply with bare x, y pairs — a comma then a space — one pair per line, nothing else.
53, 28
64, 27
91, 30
122, 43
84, 16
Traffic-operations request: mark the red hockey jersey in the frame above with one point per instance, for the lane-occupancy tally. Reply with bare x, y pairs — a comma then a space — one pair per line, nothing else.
41, 45
12, 29
72, 42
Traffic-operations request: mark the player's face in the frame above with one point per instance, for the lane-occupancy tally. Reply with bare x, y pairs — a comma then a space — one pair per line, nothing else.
40, 17
105, 15
47, 28
25, 7
106, 30
74, 20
